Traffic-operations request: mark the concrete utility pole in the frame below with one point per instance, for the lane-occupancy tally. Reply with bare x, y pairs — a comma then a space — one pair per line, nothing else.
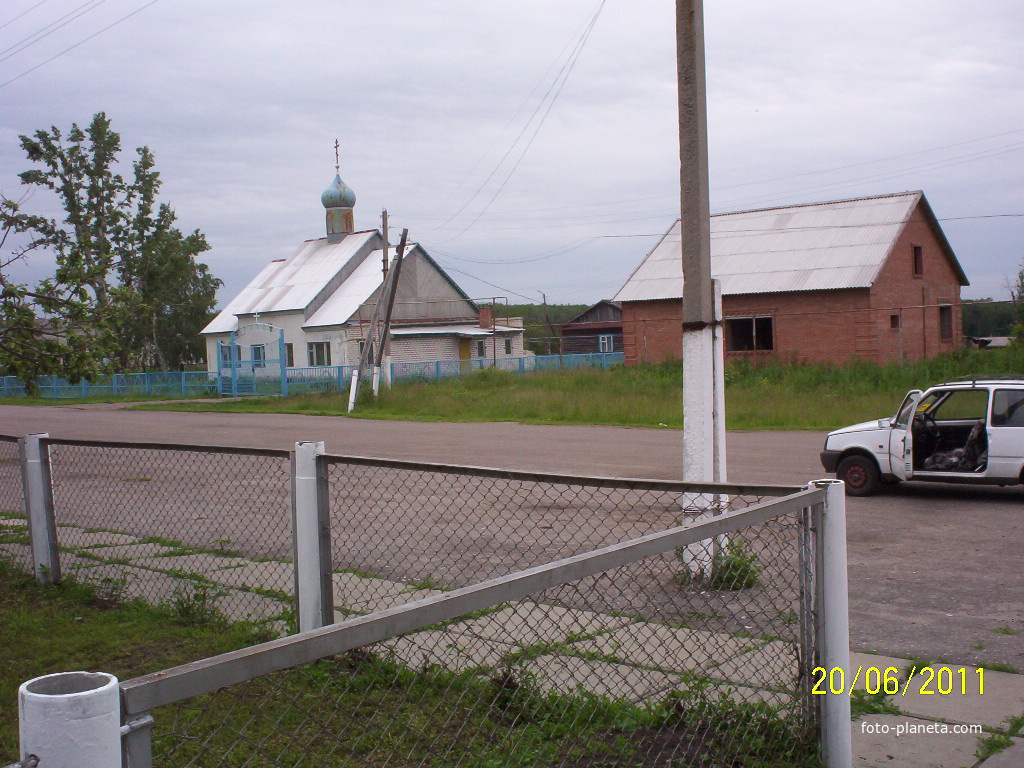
703, 417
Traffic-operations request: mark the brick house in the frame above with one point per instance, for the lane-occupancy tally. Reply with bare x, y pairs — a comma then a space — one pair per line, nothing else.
872, 278
596, 329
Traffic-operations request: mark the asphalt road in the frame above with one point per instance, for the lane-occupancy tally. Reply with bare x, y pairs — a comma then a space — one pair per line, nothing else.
935, 571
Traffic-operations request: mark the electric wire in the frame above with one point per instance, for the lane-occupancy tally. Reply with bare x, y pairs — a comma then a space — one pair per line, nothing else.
80, 42
23, 13
49, 29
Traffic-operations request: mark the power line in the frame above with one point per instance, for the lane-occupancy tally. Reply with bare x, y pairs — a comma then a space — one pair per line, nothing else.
557, 85
80, 42
23, 13
49, 29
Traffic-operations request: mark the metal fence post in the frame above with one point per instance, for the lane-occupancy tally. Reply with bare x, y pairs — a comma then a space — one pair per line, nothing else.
314, 598
833, 618
136, 740
42, 526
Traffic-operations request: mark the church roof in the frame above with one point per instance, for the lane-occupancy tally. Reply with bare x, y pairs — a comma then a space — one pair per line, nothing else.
294, 283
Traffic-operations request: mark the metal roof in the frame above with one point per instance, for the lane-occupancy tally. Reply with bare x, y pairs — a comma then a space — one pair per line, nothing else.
353, 293
821, 246
293, 283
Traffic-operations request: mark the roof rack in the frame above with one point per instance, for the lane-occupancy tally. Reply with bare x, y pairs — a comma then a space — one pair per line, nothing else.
996, 377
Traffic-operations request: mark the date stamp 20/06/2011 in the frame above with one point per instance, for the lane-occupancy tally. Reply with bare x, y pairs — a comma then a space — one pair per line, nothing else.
942, 681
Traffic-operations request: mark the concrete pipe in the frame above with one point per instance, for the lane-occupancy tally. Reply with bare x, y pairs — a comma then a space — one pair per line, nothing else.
71, 720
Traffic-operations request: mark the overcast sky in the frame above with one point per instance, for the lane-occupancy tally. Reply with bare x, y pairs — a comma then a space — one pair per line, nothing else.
512, 153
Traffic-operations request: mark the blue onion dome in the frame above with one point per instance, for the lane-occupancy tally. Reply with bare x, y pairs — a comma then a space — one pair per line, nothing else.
338, 195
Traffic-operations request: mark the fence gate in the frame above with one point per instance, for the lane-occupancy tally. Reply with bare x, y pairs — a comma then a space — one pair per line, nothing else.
253, 362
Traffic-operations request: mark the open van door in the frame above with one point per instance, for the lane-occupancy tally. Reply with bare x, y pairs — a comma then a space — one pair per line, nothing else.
901, 439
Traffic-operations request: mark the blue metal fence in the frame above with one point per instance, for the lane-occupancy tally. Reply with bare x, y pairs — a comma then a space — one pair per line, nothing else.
335, 378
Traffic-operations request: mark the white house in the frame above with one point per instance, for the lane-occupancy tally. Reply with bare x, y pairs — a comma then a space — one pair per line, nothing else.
323, 295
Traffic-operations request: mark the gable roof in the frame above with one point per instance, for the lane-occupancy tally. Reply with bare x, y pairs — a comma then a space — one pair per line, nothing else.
819, 246
292, 284
594, 309
328, 282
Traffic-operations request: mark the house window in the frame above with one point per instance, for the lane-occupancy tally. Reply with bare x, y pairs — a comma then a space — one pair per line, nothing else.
289, 355
362, 347
918, 261
749, 334
258, 354
225, 353
508, 346
480, 349
894, 322
946, 323
319, 353
606, 343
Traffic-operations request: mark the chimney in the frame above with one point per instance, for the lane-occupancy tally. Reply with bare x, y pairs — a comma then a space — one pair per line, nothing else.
486, 317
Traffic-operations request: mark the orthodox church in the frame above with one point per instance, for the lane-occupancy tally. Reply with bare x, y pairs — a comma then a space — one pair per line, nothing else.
321, 299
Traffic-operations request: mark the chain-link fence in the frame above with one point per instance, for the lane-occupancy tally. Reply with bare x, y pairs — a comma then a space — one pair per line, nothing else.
206, 530
400, 531
482, 617
14, 541
638, 664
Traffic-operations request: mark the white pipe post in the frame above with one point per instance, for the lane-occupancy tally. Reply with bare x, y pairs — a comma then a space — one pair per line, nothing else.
42, 526
833, 614
376, 381
353, 390
71, 720
311, 533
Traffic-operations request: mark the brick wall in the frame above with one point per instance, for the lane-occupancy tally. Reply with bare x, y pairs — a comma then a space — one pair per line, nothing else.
837, 325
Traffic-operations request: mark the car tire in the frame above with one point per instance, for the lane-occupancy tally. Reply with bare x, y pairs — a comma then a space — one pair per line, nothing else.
860, 475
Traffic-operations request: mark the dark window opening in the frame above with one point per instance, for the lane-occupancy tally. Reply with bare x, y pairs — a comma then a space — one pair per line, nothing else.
289, 354
480, 349
508, 346
918, 261
318, 353
945, 323
258, 356
750, 334
894, 321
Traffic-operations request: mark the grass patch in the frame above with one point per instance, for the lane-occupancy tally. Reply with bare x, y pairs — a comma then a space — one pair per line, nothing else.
772, 396
367, 706
72, 626
995, 666
1005, 630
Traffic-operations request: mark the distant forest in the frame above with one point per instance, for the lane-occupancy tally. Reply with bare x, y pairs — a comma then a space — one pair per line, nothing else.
541, 322
986, 317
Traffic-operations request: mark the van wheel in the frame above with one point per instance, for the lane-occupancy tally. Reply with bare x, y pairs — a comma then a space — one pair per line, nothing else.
860, 475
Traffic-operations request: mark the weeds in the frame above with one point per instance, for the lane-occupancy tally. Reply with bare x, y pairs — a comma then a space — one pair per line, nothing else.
195, 604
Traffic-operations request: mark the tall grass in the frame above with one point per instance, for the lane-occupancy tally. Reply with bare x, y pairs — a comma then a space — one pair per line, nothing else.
772, 396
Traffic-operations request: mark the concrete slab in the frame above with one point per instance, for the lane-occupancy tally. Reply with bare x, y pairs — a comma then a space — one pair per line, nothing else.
246, 606
773, 665
525, 624
269, 574
1013, 757
200, 563
668, 648
882, 663
73, 536
351, 590
151, 586
128, 551
391, 601
876, 743
366, 594
1003, 698
453, 652
571, 674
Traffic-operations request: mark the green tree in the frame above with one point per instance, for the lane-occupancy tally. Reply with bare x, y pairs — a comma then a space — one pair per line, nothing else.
127, 290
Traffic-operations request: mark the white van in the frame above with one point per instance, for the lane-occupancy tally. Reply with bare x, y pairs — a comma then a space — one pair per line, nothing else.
968, 430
